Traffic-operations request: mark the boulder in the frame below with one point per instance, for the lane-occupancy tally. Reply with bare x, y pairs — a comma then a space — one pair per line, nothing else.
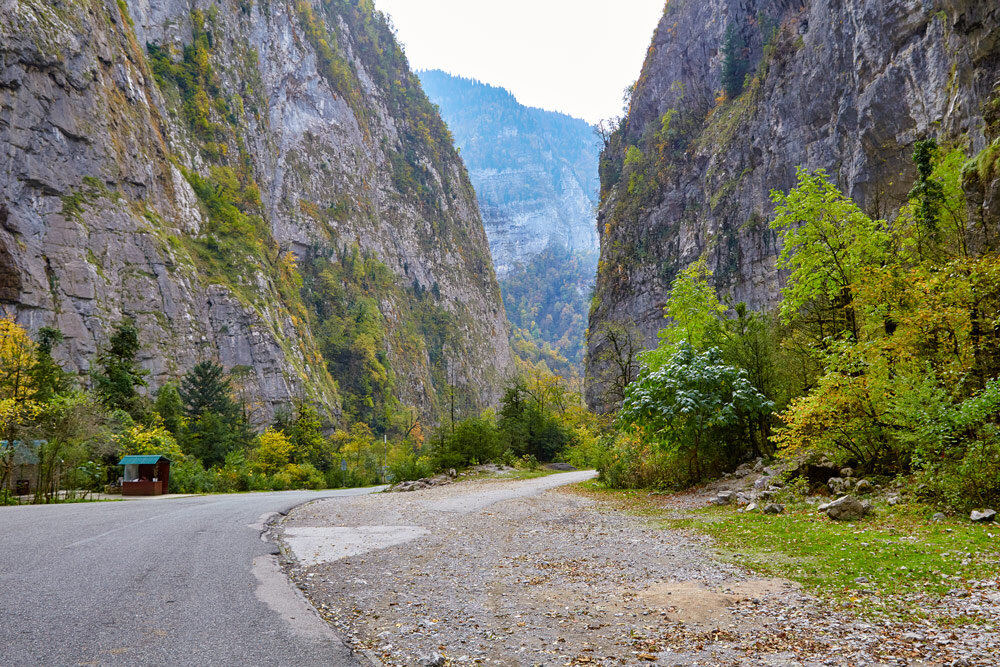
723, 498
774, 508
847, 472
893, 500
984, 516
939, 517
845, 508
863, 486
751, 507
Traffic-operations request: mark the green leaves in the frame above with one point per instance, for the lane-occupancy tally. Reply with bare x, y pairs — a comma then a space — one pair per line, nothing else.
827, 242
695, 406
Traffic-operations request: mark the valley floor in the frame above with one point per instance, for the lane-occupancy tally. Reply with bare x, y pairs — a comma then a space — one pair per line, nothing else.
524, 573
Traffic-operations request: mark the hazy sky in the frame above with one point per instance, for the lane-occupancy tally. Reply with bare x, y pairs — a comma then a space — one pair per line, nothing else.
574, 56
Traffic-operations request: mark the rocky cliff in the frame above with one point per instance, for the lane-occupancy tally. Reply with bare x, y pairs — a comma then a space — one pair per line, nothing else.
844, 85
535, 171
258, 181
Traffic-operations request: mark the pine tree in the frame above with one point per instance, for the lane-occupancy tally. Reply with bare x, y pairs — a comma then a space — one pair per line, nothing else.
206, 388
120, 376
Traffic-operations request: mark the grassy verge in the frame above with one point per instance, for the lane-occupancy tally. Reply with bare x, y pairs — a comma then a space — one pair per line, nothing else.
890, 565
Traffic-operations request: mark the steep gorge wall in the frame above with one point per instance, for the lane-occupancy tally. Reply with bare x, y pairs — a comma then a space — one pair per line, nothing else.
192, 163
535, 171
844, 85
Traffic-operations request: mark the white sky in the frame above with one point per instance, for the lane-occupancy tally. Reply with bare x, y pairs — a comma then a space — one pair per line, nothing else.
574, 56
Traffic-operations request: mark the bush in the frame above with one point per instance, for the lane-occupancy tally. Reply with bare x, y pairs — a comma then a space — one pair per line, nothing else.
469, 442
406, 465
304, 476
630, 461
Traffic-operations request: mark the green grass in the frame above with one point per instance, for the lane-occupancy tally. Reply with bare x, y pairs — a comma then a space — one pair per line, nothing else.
900, 551
906, 557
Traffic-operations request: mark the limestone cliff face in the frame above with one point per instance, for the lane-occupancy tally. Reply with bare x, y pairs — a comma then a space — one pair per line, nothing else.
535, 171
843, 85
201, 165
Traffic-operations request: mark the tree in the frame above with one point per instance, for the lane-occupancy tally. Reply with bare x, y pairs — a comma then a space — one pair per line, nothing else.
50, 378
693, 308
828, 244
273, 452
18, 392
118, 381
306, 435
695, 407
617, 355
170, 406
66, 427
735, 64
205, 388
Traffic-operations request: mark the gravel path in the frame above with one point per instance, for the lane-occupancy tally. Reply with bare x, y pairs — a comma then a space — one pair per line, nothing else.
522, 573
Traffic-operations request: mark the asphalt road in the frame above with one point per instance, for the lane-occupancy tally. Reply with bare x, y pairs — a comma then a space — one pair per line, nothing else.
184, 581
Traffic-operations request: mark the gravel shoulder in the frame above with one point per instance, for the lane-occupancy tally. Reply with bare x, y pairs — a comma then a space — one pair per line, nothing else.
536, 573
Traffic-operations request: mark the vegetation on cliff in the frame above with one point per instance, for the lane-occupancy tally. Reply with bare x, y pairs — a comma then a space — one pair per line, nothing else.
884, 355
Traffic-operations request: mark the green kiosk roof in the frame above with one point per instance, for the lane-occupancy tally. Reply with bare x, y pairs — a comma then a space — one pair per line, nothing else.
142, 460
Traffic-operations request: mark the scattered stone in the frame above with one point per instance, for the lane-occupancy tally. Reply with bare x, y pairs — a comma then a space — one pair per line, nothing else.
984, 516
432, 660
845, 508
751, 507
863, 486
774, 508
837, 485
862, 580
939, 516
893, 500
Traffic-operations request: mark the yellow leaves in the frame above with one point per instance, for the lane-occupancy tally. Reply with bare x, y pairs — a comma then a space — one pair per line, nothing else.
273, 451
17, 359
155, 439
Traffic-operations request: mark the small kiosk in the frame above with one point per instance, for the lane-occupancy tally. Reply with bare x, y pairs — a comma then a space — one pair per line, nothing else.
145, 475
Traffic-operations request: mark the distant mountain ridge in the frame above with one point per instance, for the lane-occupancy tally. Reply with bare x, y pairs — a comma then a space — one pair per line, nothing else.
534, 171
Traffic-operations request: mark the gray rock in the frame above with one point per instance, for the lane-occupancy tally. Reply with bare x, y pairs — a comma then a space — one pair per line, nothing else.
893, 500
774, 508
723, 498
863, 486
839, 96
984, 516
847, 472
122, 247
432, 660
751, 507
939, 517
837, 485
846, 508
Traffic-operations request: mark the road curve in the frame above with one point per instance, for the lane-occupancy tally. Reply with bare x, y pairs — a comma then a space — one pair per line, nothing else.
184, 581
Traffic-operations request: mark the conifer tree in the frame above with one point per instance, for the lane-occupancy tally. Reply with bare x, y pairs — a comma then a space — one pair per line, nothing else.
206, 388
120, 376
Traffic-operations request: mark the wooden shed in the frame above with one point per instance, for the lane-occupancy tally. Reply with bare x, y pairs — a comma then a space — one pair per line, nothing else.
145, 475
